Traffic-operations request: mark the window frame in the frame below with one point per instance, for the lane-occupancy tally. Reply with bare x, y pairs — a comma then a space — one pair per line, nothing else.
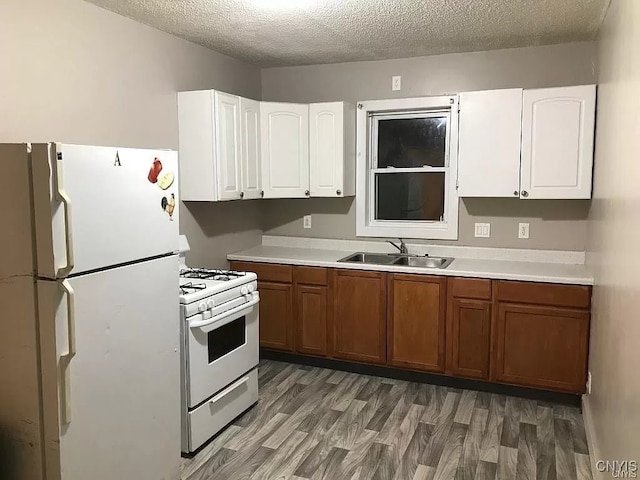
366, 168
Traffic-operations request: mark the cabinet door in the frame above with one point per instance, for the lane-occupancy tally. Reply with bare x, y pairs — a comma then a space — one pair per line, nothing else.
538, 346
228, 153
557, 142
284, 133
326, 149
359, 320
251, 179
469, 332
196, 150
489, 143
417, 309
312, 302
276, 315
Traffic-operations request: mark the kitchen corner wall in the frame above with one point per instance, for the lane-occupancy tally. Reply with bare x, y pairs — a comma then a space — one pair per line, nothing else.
555, 224
75, 73
613, 408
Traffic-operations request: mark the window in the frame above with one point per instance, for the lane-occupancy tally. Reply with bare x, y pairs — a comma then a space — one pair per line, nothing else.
406, 168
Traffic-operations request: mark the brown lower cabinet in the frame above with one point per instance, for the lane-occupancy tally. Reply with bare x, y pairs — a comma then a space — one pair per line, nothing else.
520, 333
416, 322
541, 345
276, 304
359, 316
469, 327
313, 310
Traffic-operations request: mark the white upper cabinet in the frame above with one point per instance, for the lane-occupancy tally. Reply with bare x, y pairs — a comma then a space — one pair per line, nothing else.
195, 134
284, 133
219, 138
527, 144
331, 149
557, 142
251, 176
228, 145
489, 143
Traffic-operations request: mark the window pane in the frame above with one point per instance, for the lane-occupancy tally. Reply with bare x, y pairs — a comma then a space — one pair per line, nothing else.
412, 142
410, 196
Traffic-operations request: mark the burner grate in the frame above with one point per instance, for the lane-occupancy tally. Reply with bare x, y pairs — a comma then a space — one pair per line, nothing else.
210, 274
191, 287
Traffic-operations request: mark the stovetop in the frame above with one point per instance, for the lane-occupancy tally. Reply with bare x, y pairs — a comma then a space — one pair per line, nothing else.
199, 283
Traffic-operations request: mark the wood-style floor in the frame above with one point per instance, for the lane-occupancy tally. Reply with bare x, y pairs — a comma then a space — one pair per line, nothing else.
314, 423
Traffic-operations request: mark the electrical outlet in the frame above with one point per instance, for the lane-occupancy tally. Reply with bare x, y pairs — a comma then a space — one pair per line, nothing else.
396, 83
306, 221
483, 230
523, 230
588, 383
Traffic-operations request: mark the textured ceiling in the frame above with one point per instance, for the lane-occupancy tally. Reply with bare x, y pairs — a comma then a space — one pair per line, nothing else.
299, 32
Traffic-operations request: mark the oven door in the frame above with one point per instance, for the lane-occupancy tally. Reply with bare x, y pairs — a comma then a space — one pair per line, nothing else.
220, 350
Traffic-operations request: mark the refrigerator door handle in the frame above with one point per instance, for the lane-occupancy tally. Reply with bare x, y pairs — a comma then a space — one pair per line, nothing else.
66, 201
65, 360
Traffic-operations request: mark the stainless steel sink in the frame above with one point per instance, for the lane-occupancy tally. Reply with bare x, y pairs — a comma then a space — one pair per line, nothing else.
373, 258
395, 259
424, 262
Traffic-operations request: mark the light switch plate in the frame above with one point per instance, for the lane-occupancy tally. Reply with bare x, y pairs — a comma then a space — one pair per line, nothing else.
523, 230
483, 230
306, 221
396, 83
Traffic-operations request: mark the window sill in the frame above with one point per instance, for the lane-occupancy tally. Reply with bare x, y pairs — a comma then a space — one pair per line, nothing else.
441, 231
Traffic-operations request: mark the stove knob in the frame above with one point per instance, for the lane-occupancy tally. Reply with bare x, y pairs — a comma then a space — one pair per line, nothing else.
251, 288
202, 307
244, 290
210, 303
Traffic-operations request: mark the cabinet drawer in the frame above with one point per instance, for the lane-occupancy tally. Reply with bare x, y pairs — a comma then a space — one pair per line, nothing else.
267, 272
470, 288
213, 415
310, 275
576, 296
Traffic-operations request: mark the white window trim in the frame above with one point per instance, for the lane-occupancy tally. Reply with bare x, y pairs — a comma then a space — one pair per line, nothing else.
365, 226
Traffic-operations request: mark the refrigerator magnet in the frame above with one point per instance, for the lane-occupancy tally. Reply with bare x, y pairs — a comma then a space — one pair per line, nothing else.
169, 205
166, 180
154, 171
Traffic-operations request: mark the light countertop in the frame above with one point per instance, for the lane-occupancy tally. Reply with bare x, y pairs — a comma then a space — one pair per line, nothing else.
461, 267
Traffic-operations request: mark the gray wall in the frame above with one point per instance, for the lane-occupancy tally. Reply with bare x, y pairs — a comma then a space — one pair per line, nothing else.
553, 224
611, 410
73, 72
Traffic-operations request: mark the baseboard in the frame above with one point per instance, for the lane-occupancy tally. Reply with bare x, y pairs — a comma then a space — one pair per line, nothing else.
422, 377
592, 442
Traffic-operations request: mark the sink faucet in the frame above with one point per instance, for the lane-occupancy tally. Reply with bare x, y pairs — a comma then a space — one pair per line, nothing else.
402, 247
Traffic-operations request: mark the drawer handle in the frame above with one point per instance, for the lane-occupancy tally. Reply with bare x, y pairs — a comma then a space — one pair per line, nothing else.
229, 389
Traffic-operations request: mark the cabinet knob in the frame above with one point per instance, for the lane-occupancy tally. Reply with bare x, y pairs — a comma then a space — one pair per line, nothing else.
262, 193
515, 192
525, 194
338, 192
241, 194
306, 192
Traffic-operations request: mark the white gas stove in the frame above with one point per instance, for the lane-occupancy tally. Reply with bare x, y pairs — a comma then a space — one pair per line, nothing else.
219, 328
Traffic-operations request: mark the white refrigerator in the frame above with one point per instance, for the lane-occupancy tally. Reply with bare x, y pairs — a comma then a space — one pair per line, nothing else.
89, 313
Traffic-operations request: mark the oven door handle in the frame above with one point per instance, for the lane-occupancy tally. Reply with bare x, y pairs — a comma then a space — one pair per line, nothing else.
227, 314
